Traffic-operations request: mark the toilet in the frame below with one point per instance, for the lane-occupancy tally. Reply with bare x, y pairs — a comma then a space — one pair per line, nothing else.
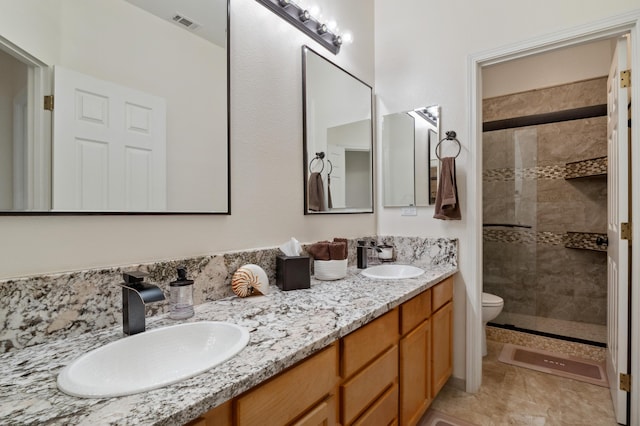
491, 308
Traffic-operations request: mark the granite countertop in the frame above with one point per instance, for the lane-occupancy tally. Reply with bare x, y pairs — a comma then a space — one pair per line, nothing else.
285, 327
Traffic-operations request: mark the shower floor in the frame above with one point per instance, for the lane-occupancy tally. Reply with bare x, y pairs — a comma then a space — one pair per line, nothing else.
571, 329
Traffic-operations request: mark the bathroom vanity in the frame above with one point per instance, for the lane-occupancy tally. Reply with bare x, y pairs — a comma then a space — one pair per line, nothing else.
386, 372
349, 351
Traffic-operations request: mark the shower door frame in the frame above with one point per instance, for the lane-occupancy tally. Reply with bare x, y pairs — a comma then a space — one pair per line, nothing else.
628, 23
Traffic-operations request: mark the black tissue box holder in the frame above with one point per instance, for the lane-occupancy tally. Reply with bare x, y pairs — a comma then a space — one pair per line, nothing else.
292, 272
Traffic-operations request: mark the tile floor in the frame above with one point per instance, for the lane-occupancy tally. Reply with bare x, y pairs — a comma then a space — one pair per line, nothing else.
512, 395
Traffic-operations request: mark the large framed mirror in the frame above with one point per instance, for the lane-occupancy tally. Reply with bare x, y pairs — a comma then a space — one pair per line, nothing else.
338, 141
409, 161
140, 116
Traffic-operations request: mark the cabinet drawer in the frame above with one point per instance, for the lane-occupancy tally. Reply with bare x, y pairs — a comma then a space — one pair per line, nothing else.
222, 415
323, 414
290, 394
365, 387
366, 343
414, 311
441, 293
383, 412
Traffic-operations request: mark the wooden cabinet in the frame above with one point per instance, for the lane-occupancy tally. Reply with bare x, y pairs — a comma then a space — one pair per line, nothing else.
302, 389
369, 365
384, 373
415, 374
442, 347
425, 349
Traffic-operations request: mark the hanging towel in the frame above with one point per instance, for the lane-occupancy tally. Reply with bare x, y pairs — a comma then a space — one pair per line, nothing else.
316, 192
447, 203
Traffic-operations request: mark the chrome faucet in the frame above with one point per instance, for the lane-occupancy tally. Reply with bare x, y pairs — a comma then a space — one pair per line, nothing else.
135, 295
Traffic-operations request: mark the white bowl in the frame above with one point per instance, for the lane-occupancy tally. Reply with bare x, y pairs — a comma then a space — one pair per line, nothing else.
392, 272
152, 359
328, 270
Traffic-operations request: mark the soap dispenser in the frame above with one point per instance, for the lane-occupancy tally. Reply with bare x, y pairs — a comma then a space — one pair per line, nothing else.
181, 296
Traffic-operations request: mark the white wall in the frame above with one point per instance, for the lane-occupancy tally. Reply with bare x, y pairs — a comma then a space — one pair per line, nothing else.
422, 49
266, 173
583, 62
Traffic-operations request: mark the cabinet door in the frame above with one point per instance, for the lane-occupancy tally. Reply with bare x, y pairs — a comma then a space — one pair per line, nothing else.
415, 375
441, 347
292, 393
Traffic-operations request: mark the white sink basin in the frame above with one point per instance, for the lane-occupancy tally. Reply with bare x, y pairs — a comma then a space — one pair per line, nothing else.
392, 272
152, 359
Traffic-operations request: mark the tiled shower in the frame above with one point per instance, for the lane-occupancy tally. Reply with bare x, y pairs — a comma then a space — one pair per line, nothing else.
545, 209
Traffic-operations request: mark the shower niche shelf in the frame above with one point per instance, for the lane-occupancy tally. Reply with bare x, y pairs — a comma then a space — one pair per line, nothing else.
586, 241
592, 167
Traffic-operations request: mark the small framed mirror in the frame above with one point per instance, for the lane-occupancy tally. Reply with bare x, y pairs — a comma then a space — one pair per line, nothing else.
409, 163
338, 138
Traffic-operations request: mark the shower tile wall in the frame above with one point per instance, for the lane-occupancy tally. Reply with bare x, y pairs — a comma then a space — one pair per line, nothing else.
524, 183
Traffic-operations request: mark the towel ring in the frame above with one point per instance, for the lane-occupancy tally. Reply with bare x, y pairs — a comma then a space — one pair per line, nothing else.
451, 136
320, 157
331, 169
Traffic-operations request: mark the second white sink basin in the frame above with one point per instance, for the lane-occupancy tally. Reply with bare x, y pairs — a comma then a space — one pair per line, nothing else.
392, 272
152, 359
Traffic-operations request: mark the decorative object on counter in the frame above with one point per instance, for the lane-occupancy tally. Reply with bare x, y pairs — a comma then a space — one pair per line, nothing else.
447, 202
135, 295
181, 296
250, 279
330, 259
292, 272
292, 269
329, 270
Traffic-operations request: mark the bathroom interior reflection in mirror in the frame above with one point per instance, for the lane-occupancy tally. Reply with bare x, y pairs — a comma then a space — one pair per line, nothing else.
409, 163
140, 113
338, 144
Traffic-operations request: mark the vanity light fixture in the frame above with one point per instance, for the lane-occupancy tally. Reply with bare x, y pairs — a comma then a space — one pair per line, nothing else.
305, 15
305, 22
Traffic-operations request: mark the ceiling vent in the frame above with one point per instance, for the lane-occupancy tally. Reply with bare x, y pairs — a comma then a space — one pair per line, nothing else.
185, 21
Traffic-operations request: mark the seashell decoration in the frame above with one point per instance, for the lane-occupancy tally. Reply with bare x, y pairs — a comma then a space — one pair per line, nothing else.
250, 279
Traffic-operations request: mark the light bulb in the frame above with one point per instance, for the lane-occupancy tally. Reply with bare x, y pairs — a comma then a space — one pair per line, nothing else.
305, 15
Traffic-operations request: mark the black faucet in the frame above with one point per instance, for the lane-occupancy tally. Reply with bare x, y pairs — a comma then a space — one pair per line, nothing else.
135, 295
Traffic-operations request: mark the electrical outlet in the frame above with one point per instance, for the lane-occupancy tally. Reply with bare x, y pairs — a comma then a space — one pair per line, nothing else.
409, 211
